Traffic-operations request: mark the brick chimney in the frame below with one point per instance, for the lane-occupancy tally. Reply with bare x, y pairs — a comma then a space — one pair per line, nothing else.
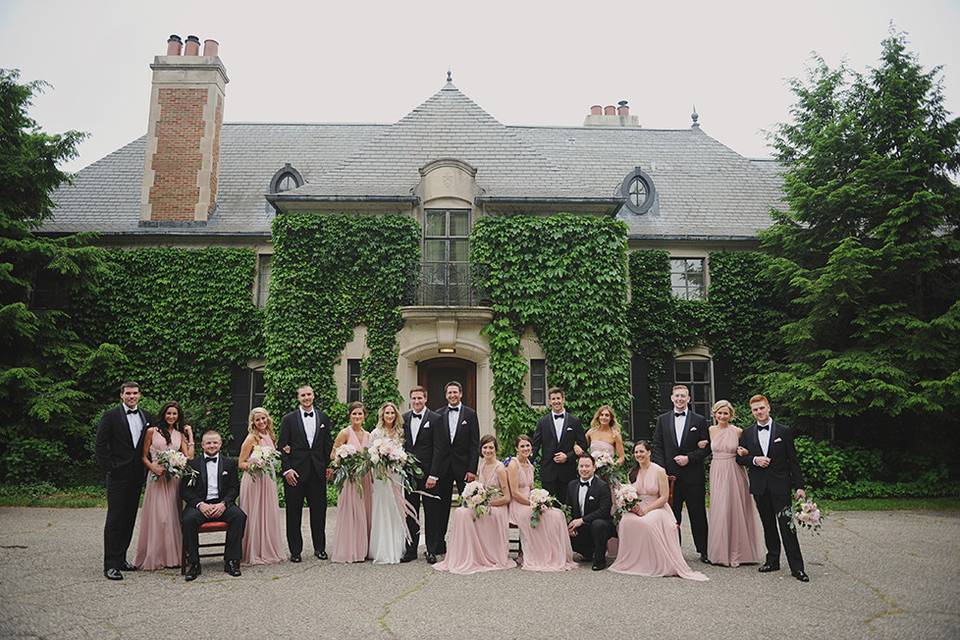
183, 134
611, 116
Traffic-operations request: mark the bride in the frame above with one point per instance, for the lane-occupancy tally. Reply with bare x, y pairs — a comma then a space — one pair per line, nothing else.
388, 527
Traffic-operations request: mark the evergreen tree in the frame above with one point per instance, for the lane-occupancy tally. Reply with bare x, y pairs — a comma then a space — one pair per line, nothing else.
45, 368
868, 247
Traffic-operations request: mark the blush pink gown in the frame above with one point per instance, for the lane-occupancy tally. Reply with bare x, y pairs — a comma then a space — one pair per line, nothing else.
733, 522
546, 548
161, 540
481, 544
262, 543
352, 535
649, 544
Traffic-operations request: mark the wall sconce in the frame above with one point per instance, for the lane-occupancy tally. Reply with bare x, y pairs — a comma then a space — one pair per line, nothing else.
447, 350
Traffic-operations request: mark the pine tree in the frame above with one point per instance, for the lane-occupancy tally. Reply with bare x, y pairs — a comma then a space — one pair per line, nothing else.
868, 246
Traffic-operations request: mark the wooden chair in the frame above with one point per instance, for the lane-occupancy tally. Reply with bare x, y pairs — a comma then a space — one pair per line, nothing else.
514, 545
214, 526
671, 480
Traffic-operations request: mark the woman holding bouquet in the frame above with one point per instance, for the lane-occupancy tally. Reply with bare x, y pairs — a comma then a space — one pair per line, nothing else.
353, 506
649, 544
733, 525
479, 542
262, 543
546, 546
388, 524
160, 541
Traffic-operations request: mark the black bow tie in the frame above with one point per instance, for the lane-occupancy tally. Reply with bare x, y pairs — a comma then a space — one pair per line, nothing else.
584, 484
763, 427
418, 416
679, 415
457, 408
132, 412
308, 415
209, 460
558, 416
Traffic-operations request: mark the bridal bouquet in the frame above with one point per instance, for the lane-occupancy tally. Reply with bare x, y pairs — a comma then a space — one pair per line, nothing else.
174, 465
477, 497
805, 514
387, 458
263, 460
350, 463
608, 469
625, 498
540, 500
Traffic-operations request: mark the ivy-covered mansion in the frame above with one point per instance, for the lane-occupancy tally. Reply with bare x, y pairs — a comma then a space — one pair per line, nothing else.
605, 257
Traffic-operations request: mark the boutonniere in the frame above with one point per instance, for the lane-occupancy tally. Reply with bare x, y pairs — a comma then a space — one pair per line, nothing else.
779, 440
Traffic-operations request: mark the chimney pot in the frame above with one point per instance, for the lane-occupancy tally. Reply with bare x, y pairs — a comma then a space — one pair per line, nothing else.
211, 47
623, 110
609, 110
596, 110
174, 45
192, 47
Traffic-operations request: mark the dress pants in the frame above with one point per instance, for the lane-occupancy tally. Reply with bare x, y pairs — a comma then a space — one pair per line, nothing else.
123, 500
444, 489
694, 495
314, 490
770, 506
236, 521
432, 522
591, 539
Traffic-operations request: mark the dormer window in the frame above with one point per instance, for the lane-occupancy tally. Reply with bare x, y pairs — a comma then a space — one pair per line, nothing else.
639, 191
286, 179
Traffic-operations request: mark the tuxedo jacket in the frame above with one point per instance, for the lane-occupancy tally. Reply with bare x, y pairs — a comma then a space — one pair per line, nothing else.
462, 455
423, 448
303, 458
116, 452
783, 473
596, 504
194, 490
665, 446
545, 440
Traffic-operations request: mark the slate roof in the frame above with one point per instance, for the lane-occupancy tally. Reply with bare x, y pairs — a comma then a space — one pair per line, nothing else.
704, 189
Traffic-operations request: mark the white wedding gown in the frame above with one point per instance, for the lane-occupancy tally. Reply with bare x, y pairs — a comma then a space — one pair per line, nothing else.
388, 526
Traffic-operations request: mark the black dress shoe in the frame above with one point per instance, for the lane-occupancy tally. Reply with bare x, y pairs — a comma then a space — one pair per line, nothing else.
599, 565
767, 568
295, 557
232, 567
431, 558
322, 555
408, 557
704, 559
801, 576
126, 566
193, 571
112, 574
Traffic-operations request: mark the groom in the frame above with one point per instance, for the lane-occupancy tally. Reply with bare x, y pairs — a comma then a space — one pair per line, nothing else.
773, 468
557, 434
589, 499
456, 452
419, 430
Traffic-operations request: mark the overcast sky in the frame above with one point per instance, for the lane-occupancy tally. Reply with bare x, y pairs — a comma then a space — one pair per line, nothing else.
525, 62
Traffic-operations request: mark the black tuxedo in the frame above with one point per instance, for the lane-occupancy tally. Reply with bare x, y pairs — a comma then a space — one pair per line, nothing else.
597, 528
553, 476
453, 460
193, 491
423, 449
771, 489
310, 463
689, 487
121, 459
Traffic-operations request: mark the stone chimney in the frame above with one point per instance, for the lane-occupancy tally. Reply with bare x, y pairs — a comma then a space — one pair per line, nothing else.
183, 134
611, 116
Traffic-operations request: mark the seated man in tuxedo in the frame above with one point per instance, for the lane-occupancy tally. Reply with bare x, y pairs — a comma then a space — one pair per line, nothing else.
589, 499
212, 495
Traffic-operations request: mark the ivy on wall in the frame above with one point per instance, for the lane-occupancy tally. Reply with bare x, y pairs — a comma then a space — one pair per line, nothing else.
329, 274
565, 277
183, 319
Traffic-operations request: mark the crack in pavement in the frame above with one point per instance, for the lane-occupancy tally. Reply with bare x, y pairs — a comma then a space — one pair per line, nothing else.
891, 607
382, 620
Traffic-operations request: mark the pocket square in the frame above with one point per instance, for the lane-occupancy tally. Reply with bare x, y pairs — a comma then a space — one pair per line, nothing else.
693, 428
426, 426
224, 473
569, 428
779, 440
321, 426
590, 497
464, 422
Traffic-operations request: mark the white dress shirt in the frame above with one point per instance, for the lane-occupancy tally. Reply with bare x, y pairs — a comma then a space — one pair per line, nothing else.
213, 479
764, 436
582, 496
558, 424
415, 425
453, 419
135, 424
309, 424
679, 422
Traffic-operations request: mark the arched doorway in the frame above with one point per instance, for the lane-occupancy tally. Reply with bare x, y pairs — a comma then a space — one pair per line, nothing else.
435, 373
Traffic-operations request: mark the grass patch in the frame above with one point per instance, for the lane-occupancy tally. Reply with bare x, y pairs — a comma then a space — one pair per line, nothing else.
47, 495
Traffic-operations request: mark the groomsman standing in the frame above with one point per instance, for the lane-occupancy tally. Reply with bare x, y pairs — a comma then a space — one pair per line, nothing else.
675, 449
119, 452
773, 468
556, 435
456, 452
305, 444
419, 430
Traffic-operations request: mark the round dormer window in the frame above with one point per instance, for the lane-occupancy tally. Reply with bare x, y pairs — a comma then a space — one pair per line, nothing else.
638, 188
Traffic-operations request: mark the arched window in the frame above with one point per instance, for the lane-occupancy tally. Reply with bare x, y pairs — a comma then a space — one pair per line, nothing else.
639, 191
286, 179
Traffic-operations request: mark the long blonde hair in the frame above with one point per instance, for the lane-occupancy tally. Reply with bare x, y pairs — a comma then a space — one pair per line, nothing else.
252, 429
614, 425
397, 421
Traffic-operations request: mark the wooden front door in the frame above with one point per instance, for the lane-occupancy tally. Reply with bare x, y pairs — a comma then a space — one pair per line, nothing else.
434, 374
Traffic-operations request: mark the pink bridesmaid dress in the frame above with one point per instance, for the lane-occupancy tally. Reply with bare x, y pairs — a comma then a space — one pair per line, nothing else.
546, 548
352, 534
733, 522
481, 544
649, 544
262, 543
160, 541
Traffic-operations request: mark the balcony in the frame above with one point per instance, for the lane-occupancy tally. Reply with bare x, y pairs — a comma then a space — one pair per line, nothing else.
447, 284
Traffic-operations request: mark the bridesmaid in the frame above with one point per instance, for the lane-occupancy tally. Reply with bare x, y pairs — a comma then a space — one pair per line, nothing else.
160, 541
604, 434
733, 524
262, 543
546, 547
649, 544
481, 544
353, 506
